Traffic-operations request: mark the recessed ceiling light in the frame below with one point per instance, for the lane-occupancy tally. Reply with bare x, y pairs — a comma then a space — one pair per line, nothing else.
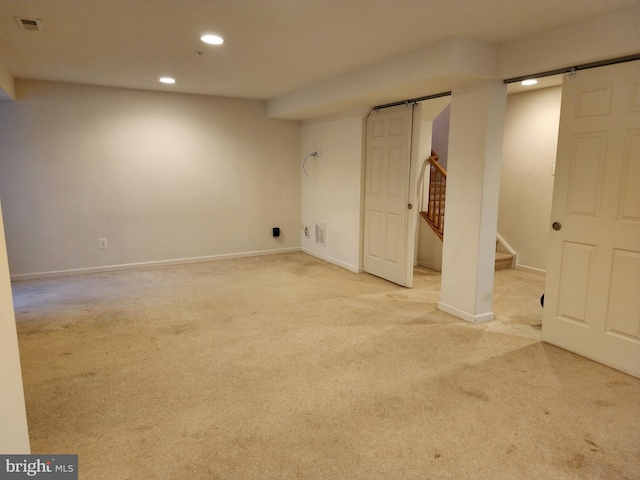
212, 39
167, 80
531, 81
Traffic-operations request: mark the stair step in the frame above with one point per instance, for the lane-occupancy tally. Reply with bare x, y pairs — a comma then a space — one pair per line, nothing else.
437, 198
503, 260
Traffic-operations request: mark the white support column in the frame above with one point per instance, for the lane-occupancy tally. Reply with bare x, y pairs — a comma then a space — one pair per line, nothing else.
14, 436
471, 212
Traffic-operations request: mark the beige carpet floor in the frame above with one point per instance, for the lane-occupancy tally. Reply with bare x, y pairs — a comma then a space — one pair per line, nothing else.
286, 367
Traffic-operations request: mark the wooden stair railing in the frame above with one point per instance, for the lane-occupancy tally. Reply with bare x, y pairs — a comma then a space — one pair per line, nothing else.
434, 215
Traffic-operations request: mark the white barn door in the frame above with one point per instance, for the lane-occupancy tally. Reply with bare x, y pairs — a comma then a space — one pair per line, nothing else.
387, 170
592, 299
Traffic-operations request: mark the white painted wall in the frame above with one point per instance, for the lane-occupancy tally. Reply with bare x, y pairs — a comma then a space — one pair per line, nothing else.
422, 234
332, 193
456, 61
425, 71
611, 35
162, 176
440, 143
7, 85
526, 188
434, 135
14, 435
429, 247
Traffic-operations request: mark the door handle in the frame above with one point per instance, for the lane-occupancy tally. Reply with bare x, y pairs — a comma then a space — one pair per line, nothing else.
409, 206
556, 226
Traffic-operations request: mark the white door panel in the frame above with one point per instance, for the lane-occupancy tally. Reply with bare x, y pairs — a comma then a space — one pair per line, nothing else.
592, 300
386, 193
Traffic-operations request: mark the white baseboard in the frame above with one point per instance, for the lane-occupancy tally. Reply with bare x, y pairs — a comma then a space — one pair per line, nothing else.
468, 317
508, 248
160, 263
430, 266
535, 271
339, 263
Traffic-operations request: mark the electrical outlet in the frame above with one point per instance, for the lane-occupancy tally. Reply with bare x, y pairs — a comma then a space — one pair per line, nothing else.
102, 242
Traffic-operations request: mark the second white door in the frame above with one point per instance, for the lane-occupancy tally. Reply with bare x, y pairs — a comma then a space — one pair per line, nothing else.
592, 300
387, 170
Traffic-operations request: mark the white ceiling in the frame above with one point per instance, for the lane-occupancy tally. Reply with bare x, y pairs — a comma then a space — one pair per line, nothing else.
272, 47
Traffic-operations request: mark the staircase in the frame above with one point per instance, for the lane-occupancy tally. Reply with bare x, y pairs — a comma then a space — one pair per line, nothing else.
504, 260
434, 214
